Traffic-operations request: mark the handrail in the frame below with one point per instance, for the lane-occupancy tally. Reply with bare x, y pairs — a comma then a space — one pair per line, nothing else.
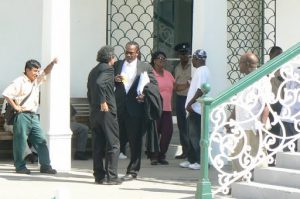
262, 71
204, 185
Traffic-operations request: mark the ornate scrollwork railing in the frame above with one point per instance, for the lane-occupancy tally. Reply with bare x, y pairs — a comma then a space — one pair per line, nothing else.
230, 137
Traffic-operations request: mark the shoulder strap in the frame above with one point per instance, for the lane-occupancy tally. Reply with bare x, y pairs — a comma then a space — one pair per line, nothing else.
24, 100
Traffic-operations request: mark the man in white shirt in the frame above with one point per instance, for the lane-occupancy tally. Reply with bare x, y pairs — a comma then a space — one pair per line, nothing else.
250, 112
193, 107
26, 123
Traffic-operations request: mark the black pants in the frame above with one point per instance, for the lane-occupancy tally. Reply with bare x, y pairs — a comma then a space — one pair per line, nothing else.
182, 122
105, 144
134, 128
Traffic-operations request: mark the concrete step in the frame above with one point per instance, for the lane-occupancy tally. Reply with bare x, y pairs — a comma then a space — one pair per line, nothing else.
278, 176
254, 190
288, 160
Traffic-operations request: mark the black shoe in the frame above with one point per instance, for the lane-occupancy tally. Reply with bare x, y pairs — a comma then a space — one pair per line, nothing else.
48, 170
23, 171
32, 158
154, 162
128, 177
115, 181
182, 156
80, 155
163, 162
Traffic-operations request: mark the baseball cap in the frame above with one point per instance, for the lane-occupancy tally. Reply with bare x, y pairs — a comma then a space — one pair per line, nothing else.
182, 47
200, 54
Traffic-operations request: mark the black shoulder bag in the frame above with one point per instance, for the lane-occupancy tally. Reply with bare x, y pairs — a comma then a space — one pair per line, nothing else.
10, 112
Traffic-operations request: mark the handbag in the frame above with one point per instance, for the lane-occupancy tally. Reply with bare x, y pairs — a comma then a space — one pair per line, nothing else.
10, 112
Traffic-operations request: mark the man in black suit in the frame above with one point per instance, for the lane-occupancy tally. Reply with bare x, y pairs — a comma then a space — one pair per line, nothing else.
103, 118
130, 105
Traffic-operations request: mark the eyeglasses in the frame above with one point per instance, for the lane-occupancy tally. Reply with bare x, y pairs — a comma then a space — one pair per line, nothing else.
161, 58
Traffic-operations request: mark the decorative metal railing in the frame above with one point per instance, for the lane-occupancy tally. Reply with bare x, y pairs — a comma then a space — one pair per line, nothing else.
251, 26
253, 92
130, 20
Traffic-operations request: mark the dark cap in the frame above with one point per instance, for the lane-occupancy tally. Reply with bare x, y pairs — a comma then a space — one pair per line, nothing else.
200, 54
182, 48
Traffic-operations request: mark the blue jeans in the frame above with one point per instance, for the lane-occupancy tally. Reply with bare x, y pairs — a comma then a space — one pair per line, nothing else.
27, 125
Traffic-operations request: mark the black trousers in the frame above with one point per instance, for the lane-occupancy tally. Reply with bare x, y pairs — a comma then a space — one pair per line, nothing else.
105, 144
134, 128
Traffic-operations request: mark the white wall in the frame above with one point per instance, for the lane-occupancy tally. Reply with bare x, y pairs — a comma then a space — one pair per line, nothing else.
20, 37
88, 34
210, 34
288, 29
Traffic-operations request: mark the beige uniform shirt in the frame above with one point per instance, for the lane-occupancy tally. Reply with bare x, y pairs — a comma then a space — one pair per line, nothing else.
182, 76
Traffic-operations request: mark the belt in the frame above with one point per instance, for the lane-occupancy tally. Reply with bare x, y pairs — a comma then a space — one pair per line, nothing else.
28, 112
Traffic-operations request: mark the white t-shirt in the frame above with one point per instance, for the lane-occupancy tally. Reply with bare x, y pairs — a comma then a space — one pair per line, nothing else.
200, 77
251, 102
291, 104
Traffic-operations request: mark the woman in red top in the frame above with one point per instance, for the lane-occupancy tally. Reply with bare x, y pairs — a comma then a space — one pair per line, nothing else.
164, 124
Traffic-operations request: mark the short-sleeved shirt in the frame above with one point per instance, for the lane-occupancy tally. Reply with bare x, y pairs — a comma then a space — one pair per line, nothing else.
21, 87
291, 105
251, 103
200, 77
165, 85
182, 76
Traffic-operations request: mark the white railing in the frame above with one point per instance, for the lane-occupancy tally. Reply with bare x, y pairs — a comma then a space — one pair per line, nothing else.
229, 134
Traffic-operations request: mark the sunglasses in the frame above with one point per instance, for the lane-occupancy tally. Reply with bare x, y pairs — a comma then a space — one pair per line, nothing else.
161, 58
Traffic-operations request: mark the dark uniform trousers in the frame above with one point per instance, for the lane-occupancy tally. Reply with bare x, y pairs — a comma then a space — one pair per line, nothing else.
105, 136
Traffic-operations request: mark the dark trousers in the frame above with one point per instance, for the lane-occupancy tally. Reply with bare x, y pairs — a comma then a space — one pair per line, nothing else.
276, 129
105, 144
134, 128
182, 122
123, 136
27, 125
165, 132
194, 133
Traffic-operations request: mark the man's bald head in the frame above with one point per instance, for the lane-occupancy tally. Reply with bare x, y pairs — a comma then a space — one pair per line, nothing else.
248, 63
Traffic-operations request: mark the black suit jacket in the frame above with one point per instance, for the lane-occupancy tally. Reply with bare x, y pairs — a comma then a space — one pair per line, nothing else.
101, 88
128, 101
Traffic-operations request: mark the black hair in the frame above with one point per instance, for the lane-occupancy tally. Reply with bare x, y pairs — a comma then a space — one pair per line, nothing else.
155, 56
105, 54
275, 50
32, 63
134, 44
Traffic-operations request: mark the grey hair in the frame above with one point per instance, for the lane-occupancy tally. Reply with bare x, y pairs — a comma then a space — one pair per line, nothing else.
105, 54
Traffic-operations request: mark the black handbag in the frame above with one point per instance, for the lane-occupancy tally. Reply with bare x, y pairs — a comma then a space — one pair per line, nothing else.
10, 112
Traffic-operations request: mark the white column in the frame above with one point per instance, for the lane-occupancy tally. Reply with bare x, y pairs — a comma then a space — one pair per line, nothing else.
55, 96
210, 34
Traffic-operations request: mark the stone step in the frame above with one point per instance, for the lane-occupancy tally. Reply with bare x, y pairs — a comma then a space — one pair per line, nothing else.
255, 190
278, 176
288, 160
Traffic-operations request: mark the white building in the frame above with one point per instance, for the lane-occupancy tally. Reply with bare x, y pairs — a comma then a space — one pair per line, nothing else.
74, 30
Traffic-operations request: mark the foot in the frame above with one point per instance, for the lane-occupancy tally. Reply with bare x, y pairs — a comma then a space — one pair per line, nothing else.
184, 164
163, 162
122, 156
80, 155
23, 171
154, 162
116, 181
194, 166
182, 156
48, 170
128, 177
